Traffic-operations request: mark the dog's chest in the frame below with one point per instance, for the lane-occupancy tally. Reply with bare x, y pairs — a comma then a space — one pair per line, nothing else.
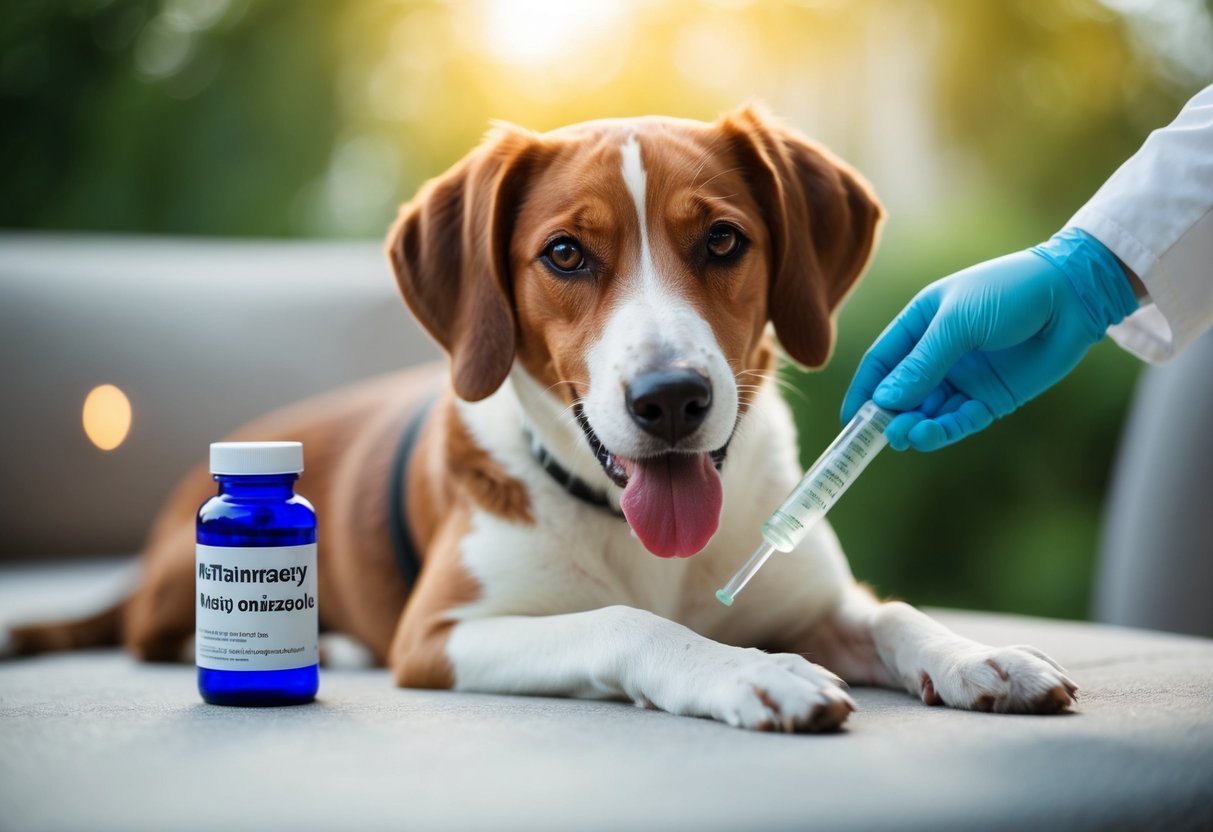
578, 557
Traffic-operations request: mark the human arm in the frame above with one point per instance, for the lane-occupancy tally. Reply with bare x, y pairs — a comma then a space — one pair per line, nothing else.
1155, 213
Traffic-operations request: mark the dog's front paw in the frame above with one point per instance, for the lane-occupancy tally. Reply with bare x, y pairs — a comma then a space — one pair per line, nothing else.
774, 692
1016, 680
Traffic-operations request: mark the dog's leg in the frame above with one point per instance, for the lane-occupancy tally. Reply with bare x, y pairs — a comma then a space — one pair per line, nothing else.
616, 652
625, 652
894, 645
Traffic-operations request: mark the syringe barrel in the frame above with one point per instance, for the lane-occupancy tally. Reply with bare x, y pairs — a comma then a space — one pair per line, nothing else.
828, 478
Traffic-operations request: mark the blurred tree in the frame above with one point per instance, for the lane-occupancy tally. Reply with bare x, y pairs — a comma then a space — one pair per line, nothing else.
177, 117
272, 117
1052, 97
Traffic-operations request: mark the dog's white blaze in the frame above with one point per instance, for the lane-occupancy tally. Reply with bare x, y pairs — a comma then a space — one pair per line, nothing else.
647, 286
636, 181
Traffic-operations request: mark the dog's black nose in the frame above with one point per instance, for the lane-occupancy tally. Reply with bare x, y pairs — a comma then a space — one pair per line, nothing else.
669, 403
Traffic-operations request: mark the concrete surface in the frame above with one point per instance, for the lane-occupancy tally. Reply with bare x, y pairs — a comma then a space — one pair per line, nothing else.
94, 741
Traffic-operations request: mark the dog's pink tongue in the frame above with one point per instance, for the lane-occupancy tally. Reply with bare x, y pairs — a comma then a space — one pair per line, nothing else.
673, 503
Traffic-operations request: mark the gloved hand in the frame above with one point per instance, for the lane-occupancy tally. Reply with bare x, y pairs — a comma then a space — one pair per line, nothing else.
974, 346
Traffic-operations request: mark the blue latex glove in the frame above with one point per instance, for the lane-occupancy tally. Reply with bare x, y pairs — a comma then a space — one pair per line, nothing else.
974, 346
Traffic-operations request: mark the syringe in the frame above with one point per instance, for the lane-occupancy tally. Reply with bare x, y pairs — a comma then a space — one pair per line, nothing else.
822, 485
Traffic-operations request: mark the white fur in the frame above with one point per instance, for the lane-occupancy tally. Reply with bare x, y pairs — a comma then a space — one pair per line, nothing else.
574, 605
619, 651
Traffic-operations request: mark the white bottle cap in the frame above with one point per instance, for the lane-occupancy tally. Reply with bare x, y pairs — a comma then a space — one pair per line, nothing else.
256, 457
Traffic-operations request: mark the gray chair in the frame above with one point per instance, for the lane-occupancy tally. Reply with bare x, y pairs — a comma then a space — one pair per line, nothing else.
1156, 561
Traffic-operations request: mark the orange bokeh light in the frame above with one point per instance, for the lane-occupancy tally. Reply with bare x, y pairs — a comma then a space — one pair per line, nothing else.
106, 416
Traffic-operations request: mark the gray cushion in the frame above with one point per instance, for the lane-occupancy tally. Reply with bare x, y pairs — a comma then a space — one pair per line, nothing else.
94, 741
202, 335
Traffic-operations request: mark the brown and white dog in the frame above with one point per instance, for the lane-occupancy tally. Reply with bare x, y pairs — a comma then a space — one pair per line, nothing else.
604, 292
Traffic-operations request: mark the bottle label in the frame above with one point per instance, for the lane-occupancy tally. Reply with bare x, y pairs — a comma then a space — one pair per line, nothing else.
256, 607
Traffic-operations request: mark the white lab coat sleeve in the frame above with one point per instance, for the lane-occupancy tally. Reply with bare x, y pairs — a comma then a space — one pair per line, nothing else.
1156, 215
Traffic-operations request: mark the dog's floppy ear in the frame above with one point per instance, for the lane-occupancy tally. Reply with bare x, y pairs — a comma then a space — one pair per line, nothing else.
823, 221
450, 251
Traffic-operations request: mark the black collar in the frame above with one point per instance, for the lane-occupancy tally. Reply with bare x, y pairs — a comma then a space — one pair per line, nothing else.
566, 479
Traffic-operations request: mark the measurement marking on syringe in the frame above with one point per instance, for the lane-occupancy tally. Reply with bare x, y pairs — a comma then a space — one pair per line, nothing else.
790, 520
816, 501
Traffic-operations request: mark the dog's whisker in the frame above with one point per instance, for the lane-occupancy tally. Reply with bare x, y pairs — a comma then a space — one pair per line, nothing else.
791, 389
707, 182
569, 382
774, 378
703, 160
569, 413
760, 378
576, 401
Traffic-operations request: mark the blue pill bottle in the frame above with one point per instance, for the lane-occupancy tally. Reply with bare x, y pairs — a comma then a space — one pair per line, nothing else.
256, 616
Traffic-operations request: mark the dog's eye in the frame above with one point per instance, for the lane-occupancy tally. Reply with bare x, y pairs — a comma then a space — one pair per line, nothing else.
564, 255
723, 241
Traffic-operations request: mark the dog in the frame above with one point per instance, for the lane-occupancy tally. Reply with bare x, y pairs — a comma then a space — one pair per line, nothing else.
605, 447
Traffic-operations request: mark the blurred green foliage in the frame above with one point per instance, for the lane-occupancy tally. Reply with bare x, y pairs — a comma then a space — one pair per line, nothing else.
984, 125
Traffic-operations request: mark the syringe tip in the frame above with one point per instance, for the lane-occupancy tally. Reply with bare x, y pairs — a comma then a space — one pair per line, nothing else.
724, 597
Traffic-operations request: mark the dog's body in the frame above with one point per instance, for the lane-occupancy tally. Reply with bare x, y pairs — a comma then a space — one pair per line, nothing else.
604, 292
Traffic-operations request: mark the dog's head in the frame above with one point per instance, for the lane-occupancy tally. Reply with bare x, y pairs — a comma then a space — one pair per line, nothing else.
626, 271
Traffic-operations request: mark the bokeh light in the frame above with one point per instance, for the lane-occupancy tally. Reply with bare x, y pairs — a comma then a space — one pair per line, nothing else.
106, 416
